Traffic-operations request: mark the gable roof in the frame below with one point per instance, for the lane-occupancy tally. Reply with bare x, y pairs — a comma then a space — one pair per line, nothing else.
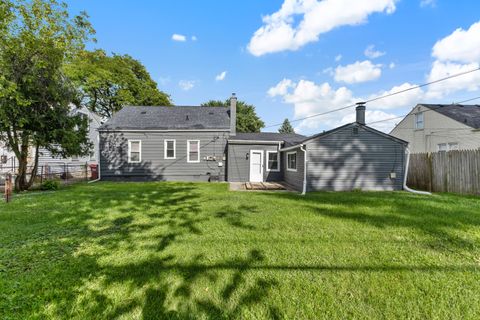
288, 138
332, 131
169, 118
467, 114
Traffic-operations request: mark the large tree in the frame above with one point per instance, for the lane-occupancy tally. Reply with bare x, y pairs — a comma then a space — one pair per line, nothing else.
108, 83
286, 127
247, 118
36, 39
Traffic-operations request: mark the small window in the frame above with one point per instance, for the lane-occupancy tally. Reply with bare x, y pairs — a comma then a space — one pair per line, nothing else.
452, 146
419, 124
355, 130
292, 161
193, 151
273, 161
442, 147
134, 151
169, 149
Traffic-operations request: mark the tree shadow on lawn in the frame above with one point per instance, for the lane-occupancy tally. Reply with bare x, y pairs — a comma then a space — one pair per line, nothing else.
442, 217
162, 285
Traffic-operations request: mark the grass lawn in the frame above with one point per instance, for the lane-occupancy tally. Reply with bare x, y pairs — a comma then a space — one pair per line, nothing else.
185, 250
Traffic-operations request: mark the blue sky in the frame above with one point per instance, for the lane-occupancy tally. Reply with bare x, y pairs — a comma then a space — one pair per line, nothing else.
308, 58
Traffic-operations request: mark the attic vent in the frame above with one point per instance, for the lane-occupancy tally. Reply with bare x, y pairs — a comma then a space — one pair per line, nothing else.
355, 130
143, 112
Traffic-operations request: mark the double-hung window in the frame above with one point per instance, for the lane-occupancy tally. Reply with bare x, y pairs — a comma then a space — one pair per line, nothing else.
134, 151
193, 150
292, 161
419, 123
273, 161
169, 149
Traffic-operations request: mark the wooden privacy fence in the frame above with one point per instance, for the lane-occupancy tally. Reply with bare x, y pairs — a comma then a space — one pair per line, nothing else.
453, 171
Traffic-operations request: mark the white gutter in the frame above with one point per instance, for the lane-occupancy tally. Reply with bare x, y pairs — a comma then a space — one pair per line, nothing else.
304, 189
292, 147
254, 141
405, 187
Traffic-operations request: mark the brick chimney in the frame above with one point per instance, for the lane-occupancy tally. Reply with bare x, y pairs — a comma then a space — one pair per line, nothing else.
360, 112
233, 115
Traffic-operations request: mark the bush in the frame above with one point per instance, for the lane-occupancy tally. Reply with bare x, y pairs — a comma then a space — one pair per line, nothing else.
50, 185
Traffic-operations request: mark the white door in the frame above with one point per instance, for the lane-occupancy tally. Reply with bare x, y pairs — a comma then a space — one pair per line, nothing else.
256, 166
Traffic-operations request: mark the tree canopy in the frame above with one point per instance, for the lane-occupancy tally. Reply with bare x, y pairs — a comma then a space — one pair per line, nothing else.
107, 83
247, 118
36, 39
286, 127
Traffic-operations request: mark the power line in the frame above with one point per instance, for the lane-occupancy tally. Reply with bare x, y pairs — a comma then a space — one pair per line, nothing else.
432, 109
381, 97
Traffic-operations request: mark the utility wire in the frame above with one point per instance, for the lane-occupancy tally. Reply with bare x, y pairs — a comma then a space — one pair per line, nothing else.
432, 109
381, 97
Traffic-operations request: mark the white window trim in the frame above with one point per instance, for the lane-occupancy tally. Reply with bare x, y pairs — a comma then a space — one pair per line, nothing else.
130, 149
416, 122
278, 160
188, 151
296, 164
165, 149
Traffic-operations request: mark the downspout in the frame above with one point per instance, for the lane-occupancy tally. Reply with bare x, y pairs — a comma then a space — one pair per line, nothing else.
405, 187
304, 189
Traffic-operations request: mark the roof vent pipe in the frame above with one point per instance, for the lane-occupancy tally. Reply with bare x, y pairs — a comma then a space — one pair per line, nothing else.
233, 115
360, 113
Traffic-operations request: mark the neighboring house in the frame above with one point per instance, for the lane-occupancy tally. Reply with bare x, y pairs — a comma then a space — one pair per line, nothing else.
94, 122
201, 143
440, 127
9, 163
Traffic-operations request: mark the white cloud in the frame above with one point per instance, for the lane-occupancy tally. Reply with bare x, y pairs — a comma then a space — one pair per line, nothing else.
221, 76
469, 82
461, 46
186, 84
406, 99
280, 32
179, 37
456, 53
194, 38
371, 53
309, 98
358, 72
338, 58
164, 81
428, 3
391, 65
281, 88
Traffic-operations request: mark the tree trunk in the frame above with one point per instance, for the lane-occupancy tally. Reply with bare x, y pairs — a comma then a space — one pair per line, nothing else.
21, 179
35, 167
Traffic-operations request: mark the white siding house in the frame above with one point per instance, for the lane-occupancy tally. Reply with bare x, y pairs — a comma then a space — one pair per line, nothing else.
433, 128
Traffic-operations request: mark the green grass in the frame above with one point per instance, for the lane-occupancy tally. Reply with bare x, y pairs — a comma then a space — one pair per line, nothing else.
185, 250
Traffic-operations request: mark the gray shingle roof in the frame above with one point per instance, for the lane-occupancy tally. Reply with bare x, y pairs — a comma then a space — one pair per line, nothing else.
169, 118
289, 138
466, 114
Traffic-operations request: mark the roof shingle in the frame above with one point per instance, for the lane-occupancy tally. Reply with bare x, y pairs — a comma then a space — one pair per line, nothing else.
169, 118
466, 114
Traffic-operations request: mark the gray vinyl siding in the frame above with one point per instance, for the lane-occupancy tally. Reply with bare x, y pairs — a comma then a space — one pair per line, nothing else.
114, 156
294, 178
345, 161
239, 166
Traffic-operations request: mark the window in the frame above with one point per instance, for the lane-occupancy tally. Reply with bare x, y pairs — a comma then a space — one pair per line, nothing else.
419, 120
134, 151
273, 161
442, 147
452, 146
193, 150
292, 161
169, 149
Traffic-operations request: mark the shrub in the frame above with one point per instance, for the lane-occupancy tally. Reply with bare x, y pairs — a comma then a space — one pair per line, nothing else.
50, 185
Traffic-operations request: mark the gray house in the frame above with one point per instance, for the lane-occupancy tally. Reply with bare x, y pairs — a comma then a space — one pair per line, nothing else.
201, 144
